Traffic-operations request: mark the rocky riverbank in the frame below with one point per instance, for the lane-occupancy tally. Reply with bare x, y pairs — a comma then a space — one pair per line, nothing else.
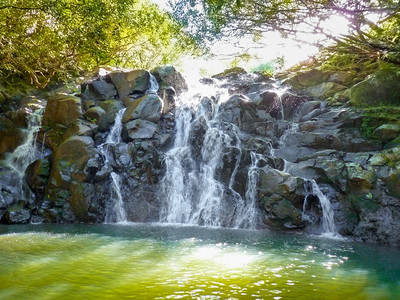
307, 127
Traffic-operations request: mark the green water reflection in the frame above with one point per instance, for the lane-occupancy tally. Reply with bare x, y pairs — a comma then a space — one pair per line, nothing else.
160, 262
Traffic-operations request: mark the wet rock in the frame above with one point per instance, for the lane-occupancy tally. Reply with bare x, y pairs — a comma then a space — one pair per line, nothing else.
138, 129
16, 215
36, 175
111, 107
281, 195
147, 108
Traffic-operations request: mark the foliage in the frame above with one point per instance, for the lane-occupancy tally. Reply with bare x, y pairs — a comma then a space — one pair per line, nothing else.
287, 16
42, 40
270, 67
365, 42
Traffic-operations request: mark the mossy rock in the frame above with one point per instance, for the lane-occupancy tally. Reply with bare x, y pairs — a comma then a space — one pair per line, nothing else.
380, 88
62, 110
235, 71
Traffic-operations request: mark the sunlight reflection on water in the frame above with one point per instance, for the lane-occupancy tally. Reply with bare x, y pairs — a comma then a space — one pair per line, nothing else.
163, 262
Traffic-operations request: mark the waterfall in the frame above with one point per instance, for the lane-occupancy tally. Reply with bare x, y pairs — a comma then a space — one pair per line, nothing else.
25, 154
248, 213
115, 210
328, 225
192, 189
153, 85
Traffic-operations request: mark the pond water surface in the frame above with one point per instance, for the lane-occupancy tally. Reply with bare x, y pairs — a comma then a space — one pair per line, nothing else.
145, 261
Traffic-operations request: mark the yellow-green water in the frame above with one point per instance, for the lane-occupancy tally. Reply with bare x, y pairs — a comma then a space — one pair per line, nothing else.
160, 262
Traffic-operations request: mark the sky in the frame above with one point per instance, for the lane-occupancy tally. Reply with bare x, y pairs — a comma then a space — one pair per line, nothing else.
270, 47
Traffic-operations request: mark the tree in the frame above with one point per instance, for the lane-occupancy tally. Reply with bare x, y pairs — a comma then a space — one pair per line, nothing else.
44, 40
210, 19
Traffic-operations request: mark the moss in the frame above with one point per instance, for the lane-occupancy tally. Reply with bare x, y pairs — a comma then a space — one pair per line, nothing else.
373, 117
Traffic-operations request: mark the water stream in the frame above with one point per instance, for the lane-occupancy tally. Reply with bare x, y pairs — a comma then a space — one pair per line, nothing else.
115, 208
24, 155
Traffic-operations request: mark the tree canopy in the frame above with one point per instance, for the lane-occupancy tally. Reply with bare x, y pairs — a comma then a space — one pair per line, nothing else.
50, 39
373, 24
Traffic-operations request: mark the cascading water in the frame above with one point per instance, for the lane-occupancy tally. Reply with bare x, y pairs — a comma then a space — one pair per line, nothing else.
328, 224
248, 215
194, 194
115, 210
25, 154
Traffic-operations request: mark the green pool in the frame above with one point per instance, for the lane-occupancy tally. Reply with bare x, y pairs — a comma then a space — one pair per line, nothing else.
142, 261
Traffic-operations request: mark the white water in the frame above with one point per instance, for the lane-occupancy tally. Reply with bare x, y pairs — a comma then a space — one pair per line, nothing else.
25, 154
248, 215
116, 209
193, 192
328, 225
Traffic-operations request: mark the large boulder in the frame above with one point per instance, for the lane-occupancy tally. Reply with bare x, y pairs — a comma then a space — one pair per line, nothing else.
10, 136
138, 129
130, 82
387, 132
36, 175
168, 76
100, 89
69, 161
148, 107
380, 88
307, 78
281, 196
325, 90
62, 110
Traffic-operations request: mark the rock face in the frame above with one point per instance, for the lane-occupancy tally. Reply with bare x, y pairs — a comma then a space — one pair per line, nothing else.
380, 88
111, 147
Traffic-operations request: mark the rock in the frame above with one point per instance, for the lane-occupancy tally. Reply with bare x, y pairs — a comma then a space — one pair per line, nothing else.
99, 89
343, 77
62, 110
95, 115
77, 201
307, 78
168, 96
138, 129
307, 107
16, 215
281, 195
325, 90
36, 175
111, 107
389, 157
10, 136
131, 82
380, 88
147, 108
69, 160
232, 72
359, 178
82, 128
387, 132
169, 76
